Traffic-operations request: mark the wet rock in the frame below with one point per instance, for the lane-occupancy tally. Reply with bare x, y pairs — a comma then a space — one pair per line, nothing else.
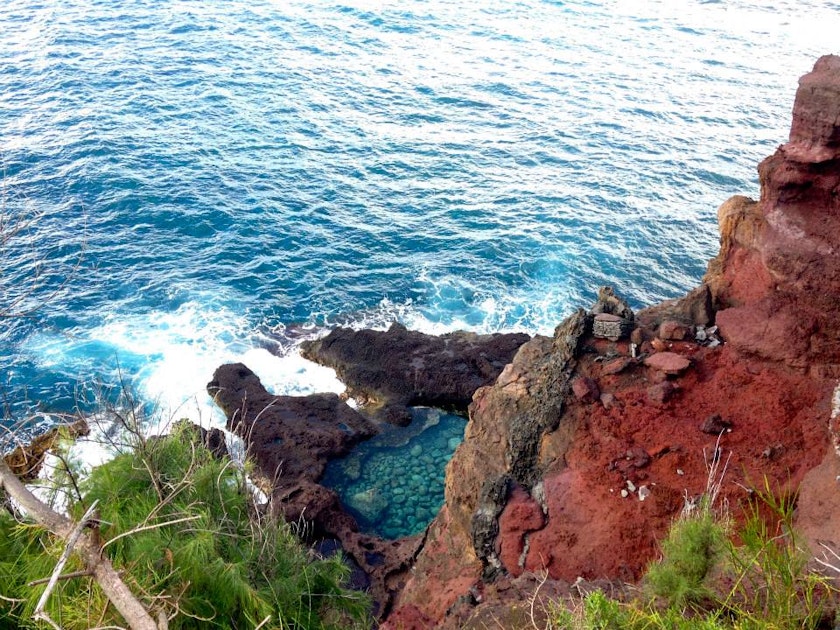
289, 437
391, 370
669, 363
370, 503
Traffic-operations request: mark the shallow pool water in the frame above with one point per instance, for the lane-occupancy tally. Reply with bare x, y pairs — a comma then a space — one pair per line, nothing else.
393, 483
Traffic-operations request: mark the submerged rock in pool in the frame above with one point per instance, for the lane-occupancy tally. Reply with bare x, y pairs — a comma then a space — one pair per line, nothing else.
394, 487
370, 503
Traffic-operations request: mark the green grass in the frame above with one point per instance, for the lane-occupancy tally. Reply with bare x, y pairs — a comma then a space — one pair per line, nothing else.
599, 612
772, 584
182, 528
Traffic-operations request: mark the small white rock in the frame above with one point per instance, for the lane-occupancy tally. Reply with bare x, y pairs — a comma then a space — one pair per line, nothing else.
630, 486
680, 471
624, 494
644, 493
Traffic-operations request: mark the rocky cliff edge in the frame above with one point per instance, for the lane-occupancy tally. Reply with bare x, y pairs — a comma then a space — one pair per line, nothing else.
578, 457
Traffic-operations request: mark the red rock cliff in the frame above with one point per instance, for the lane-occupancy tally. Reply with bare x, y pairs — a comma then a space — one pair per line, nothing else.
579, 456
776, 281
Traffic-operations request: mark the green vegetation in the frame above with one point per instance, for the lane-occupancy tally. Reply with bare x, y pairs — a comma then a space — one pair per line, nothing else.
599, 612
707, 580
772, 584
182, 528
691, 550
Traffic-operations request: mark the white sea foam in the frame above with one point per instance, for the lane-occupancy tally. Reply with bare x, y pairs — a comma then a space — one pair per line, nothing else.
168, 359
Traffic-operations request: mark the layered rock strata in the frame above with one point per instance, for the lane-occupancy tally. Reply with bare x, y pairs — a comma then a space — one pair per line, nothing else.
776, 281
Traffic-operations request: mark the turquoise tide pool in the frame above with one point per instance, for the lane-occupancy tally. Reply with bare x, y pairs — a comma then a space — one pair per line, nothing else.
393, 483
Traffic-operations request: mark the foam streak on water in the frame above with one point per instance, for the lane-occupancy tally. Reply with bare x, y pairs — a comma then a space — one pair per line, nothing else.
231, 170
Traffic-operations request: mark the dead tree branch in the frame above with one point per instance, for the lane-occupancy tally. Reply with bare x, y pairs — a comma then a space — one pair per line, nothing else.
103, 572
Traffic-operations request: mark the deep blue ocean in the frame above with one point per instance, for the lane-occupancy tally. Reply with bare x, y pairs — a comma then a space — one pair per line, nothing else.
213, 181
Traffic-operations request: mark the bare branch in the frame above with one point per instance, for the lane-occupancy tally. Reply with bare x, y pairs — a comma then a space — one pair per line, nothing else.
39, 613
148, 527
108, 579
63, 576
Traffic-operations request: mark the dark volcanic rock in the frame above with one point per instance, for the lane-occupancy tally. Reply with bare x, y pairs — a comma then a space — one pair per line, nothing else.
390, 370
289, 437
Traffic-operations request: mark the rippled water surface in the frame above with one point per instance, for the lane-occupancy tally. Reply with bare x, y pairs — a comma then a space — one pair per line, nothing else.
209, 179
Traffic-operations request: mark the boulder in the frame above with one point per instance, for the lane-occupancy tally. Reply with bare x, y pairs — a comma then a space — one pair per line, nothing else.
669, 363
693, 309
671, 330
586, 389
289, 437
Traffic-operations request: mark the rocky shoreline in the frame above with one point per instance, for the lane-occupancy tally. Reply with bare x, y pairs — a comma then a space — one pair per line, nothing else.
582, 447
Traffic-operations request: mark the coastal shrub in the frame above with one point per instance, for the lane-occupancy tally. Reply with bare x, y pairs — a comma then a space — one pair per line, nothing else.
181, 526
758, 579
772, 583
694, 545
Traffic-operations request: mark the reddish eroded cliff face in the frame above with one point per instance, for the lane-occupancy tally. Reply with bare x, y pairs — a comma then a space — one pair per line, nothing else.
776, 281
577, 459
616, 470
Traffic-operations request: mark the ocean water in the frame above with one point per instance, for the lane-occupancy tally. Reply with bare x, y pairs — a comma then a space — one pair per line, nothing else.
214, 181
